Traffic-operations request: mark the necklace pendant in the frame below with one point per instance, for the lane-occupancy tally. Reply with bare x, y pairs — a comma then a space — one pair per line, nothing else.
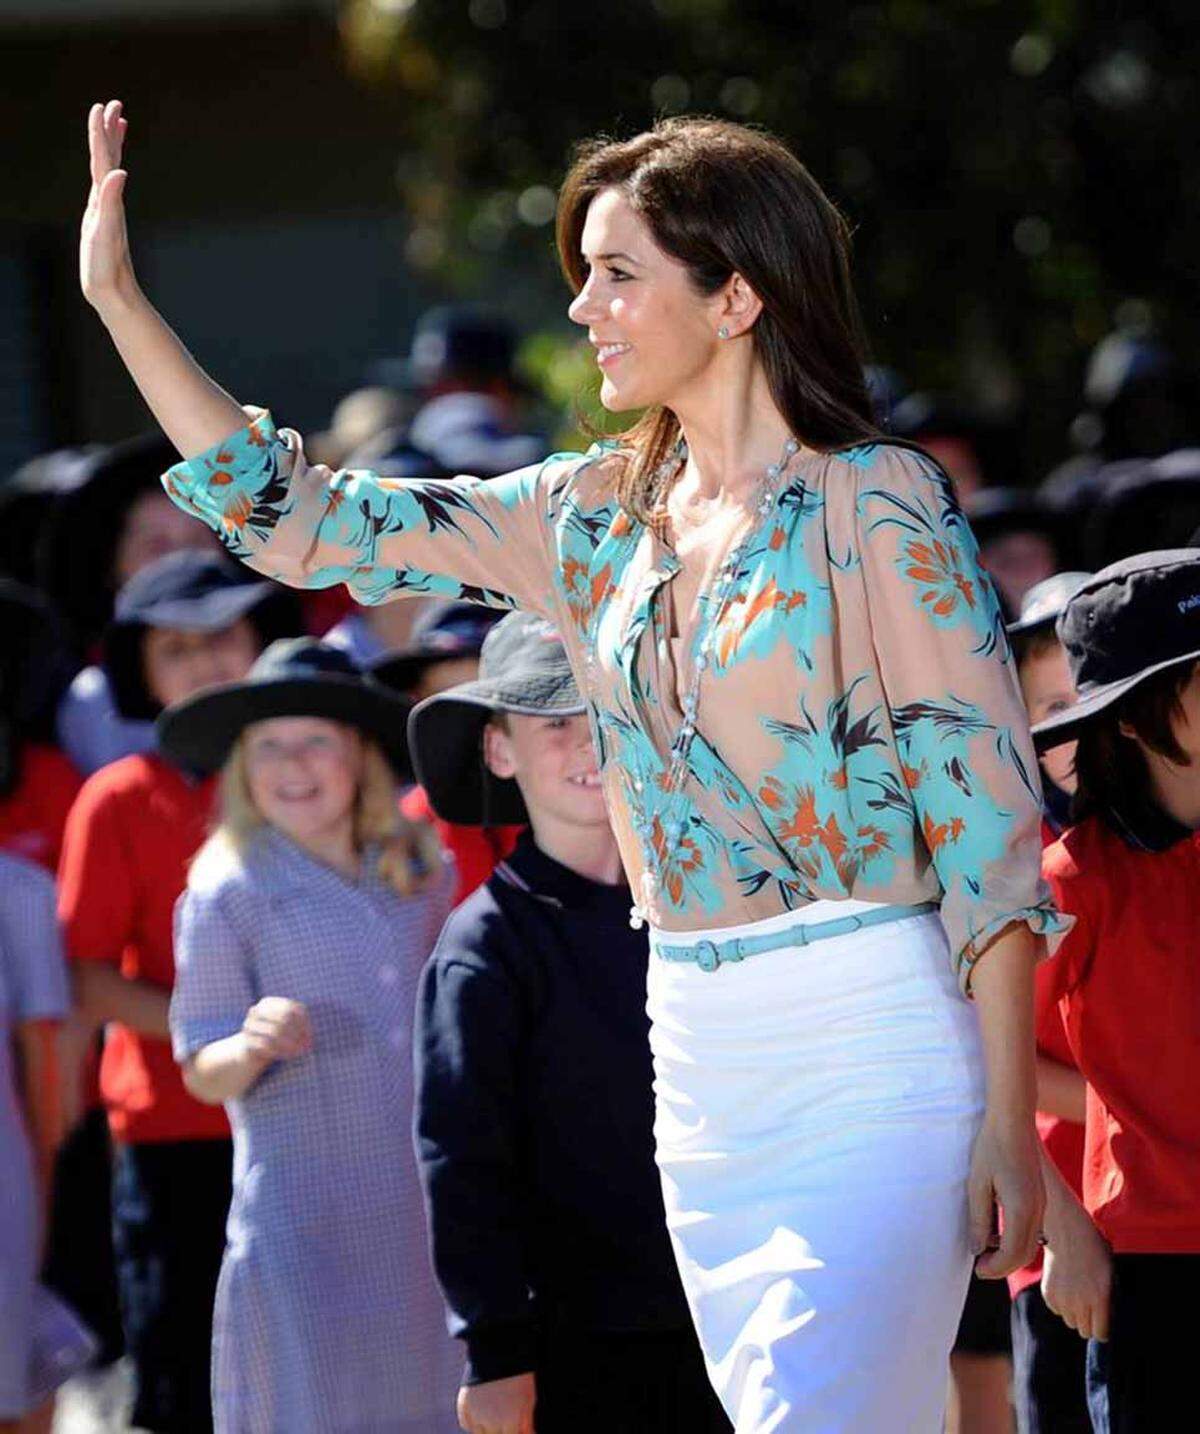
637, 918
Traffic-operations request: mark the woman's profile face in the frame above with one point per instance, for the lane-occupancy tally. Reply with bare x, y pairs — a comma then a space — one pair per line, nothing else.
654, 335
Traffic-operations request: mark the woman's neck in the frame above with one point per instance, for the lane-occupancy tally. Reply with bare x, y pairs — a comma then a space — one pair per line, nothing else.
589, 851
732, 428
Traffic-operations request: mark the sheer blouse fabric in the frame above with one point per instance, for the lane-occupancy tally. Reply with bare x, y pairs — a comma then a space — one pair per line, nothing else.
860, 730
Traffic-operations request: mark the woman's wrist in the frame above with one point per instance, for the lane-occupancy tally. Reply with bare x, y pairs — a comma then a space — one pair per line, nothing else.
119, 301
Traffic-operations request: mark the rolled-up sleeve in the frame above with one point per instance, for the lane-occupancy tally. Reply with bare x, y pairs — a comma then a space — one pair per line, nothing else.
214, 976
481, 540
955, 705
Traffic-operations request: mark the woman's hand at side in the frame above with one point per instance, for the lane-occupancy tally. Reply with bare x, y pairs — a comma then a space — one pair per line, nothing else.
274, 1029
1005, 1173
105, 267
499, 1406
1005, 1176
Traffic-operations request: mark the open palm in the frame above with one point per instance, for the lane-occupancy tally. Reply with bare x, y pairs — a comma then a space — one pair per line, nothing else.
104, 262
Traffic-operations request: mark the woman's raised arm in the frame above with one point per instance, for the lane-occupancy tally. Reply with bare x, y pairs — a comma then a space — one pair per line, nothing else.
191, 409
301, 523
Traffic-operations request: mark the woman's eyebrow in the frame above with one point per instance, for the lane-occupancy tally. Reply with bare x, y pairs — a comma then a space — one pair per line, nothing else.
616, 254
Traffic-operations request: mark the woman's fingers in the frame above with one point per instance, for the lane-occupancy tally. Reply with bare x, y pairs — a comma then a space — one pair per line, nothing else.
1016, 1248
106, 137
981, 1210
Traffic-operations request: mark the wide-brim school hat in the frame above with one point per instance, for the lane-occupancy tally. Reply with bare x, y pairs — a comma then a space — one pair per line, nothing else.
523, 668
1132, 620
295, 677
79, 538
1043, 604
194, 592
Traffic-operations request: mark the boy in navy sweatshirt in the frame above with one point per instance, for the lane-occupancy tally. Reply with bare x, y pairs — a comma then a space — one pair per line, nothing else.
534, 1103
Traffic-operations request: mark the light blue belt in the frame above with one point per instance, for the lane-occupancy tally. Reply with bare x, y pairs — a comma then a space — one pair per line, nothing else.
708, 955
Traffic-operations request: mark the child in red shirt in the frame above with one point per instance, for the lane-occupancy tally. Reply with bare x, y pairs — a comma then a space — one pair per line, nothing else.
185, 623
1127, 979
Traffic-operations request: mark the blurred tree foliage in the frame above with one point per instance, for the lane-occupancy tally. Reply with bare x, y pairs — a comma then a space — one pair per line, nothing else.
1020, 175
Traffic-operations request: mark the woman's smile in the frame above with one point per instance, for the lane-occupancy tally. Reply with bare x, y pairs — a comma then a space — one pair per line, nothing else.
608, 354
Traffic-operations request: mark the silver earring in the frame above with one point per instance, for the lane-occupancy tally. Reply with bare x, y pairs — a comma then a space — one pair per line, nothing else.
723, 331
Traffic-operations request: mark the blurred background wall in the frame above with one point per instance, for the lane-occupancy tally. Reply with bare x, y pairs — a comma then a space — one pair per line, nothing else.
1022, 177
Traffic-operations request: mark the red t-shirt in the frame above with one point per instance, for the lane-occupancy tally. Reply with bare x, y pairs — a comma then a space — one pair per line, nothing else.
130, 835
33, 815
475, 850
1063, 1139
1128, 979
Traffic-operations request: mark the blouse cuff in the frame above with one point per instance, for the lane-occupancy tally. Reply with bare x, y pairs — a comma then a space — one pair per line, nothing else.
241, 464
1044, 920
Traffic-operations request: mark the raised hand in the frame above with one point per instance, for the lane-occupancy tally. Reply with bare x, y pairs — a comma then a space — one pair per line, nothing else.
105, 267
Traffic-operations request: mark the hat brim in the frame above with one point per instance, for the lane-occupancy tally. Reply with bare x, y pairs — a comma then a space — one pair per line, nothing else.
401, 670
200, 733
211, 611
445, 736
272, 609
1065, 726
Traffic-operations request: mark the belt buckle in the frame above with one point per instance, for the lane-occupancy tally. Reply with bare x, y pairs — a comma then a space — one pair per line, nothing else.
708, 958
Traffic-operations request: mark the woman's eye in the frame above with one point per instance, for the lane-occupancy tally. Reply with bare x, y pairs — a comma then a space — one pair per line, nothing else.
618, 275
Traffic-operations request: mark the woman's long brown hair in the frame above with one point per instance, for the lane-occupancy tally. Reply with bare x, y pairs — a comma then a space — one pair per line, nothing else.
722, 198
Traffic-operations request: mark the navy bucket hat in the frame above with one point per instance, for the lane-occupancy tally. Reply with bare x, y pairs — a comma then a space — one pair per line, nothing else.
1132, 620
195, 592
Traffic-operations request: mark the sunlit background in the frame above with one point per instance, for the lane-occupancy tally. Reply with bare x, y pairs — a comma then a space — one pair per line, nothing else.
306, 176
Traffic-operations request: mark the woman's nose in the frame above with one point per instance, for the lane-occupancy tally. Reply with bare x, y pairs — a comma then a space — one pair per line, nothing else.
582, 306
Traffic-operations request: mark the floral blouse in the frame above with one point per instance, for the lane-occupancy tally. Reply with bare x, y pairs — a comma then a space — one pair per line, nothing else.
860, 729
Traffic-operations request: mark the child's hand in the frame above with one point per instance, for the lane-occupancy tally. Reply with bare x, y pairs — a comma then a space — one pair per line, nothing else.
501, 1406
1077, 1273
105, 268
276, 1029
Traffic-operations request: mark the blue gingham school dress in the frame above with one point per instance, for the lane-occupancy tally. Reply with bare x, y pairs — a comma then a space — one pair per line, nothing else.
327, 1318
33, 987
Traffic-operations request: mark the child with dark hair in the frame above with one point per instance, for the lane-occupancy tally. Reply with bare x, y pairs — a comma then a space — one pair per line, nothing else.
1128, 982
534, 1109
1049, 1384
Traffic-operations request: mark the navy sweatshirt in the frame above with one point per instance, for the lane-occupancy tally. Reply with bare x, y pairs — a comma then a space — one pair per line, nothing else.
534, 1117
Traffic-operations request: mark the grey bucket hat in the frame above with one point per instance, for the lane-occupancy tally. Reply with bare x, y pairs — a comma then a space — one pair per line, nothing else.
523, 668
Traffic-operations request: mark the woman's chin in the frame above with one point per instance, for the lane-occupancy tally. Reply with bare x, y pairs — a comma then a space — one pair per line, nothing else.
618, 400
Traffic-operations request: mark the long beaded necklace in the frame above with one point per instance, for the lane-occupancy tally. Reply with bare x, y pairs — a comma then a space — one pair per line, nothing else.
712, 609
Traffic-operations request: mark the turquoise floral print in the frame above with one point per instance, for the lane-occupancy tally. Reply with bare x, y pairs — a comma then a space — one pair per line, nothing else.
860, 732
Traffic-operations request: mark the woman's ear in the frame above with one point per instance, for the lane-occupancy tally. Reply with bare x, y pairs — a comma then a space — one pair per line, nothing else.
740, 306
498, 751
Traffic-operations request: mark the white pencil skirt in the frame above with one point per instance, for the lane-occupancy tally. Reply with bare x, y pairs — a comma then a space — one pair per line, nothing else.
816, 1109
